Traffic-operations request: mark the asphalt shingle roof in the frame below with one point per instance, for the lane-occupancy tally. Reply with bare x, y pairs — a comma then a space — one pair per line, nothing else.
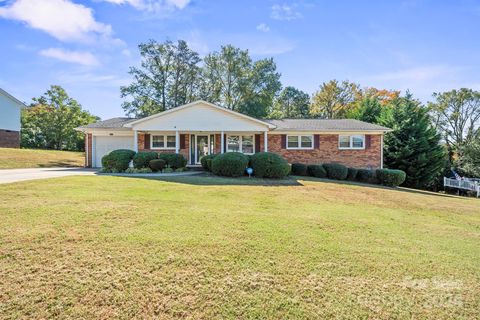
113, 123
325, 125
281, 125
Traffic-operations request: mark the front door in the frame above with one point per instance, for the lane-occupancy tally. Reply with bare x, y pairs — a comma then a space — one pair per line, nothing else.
202, 144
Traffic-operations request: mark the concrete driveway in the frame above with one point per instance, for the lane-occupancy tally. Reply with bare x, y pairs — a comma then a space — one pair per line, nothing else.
14, 175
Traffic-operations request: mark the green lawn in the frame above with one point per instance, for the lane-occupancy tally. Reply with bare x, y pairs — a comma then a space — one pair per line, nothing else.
35, 158
212, 248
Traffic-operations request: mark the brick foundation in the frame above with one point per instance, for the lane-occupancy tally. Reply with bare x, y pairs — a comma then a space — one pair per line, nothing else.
9, 139
328, 152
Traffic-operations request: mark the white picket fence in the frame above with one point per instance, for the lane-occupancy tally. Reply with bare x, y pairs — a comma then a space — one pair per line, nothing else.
462, 184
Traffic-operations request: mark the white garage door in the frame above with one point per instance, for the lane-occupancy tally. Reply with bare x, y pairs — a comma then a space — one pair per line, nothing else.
104, 145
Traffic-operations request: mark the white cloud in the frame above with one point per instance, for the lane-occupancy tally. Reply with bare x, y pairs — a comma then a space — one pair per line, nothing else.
79, 57
284, 12
63, 19
263, 27
153, 5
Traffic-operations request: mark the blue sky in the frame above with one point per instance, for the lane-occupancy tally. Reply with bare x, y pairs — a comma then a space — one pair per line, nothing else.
88, 46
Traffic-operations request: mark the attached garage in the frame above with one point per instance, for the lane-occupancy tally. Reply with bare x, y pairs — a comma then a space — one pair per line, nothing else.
102, 145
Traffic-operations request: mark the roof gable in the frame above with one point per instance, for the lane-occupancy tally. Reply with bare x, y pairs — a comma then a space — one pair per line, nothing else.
200, 116
17, 102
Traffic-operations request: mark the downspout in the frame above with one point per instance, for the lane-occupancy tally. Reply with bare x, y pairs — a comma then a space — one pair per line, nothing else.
381, 151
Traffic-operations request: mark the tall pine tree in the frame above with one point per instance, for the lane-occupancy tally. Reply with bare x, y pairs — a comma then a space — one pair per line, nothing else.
414, 145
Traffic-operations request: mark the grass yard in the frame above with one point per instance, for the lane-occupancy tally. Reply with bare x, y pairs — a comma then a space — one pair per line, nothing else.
212, 248
11, 158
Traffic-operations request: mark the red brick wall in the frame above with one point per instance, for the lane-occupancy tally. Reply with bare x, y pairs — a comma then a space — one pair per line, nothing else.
9, 139
328, 152
185, 151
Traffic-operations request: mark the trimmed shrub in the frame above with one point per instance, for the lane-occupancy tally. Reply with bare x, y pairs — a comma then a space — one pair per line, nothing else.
117, 160
366, 175
336, 171
167, 170
269, 165
204, 159
208, 164
230, 164
142, 159
157, 164
317, 171
141, 170
352, 174
299, 169
390, 177
173, 160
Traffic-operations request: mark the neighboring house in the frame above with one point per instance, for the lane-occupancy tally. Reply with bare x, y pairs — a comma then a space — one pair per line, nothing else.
200, 128
10, 109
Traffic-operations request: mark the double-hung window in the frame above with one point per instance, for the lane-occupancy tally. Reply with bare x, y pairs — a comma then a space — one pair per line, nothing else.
239, 143
300, 142
163, 142
351, 141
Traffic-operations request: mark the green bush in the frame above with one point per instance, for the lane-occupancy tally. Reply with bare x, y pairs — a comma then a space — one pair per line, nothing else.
173, 160
117, 160
352, 174
269, 165
366, 175
167, 170
299, 169
316, 170
142, 159
208, 164
138, 170
336, 171
390, 177
204, 159
157, 164
230, 164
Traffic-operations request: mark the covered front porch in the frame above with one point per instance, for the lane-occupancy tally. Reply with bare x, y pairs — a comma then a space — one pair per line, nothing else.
194, 145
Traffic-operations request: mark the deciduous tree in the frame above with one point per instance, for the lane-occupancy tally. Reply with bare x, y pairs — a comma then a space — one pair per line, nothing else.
334, 99
291, 103
168, 77
50, 120
456, 114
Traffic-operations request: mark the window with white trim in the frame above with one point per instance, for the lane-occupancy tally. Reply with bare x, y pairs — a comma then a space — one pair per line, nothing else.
163, 142
239, 143
351, 141
299, 141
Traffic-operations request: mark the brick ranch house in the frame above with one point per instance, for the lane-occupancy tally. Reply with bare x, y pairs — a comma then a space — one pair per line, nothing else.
200, 128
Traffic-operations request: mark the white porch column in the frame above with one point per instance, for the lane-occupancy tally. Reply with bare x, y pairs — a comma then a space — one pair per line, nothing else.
177, 141
265, 141
135, 140
222, 142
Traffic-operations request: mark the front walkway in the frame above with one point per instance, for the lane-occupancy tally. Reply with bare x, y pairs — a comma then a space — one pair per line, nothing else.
14, 175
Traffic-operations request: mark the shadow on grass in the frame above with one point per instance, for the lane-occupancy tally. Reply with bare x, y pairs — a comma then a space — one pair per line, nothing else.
376, 186
60, 163
207, 179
